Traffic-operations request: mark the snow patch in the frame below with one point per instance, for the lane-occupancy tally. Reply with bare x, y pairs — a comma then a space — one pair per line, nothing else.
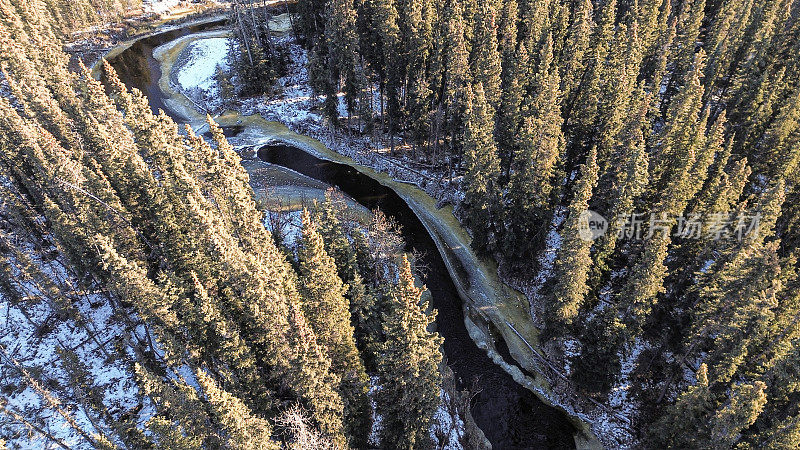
159, 6
547, 258
203, 58
448, 427
377, 419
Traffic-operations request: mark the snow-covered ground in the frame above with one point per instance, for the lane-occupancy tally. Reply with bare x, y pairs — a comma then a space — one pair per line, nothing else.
33, 334
294, 101
204, 58
195, 73
546, 260
610, 422
159, 6
447, 426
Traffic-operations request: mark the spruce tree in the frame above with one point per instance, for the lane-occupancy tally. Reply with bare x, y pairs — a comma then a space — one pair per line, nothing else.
242, 430
482, 194
572, 57
573, 262
337, 244
485, 59
628, 180
739, 297
342, 41
328, 313
542, 145
685, 424
408, 367
746, 403
509, 114
456, 78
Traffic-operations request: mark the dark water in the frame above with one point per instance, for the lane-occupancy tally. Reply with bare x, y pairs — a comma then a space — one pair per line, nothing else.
137, 68
511, 416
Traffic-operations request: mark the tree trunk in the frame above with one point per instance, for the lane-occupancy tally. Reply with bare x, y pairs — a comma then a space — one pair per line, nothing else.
242, 33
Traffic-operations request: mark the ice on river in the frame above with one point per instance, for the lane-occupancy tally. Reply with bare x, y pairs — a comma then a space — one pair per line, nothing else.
200, 68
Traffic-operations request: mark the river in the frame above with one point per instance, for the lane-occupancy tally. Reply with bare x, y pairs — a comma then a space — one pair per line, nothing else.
510, 415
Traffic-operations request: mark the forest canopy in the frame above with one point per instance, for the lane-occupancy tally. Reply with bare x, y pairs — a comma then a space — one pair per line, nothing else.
675, 120
148, 304
632, 165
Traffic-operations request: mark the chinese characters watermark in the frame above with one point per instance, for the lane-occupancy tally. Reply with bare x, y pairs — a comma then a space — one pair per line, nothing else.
638, 226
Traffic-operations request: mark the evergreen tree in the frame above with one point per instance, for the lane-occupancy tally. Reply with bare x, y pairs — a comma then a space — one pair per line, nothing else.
485, 60
685, 424
746, 403
572, 57
542, 144
507, 31
104, 200
456, 78
242, 430
738, 300
342, 41
628, 181
509, 115
408, 367
380, 42
328, 313
417, 44
337, 244
573, 262
482, 195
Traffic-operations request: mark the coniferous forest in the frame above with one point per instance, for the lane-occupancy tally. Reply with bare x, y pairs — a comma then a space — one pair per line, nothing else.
677, 121
224, 339
633, 167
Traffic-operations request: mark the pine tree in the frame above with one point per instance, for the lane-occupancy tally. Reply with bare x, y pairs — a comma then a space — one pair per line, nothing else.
678, 138
456, 78
627, 183
779, 142
241, 428
688, 23
342, 41
337, 244
644, 283
417, 43
482, 194
179, 420
580, 111
365, 315
509, 115
572, 57
785, 434
327, 310
685, 424
485, 60
323, 80
746, 403
419, 100
311, 20
738, 298
542, 145
620, 76
573, 262
380, 43
602, 336
408, 368
507, 31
